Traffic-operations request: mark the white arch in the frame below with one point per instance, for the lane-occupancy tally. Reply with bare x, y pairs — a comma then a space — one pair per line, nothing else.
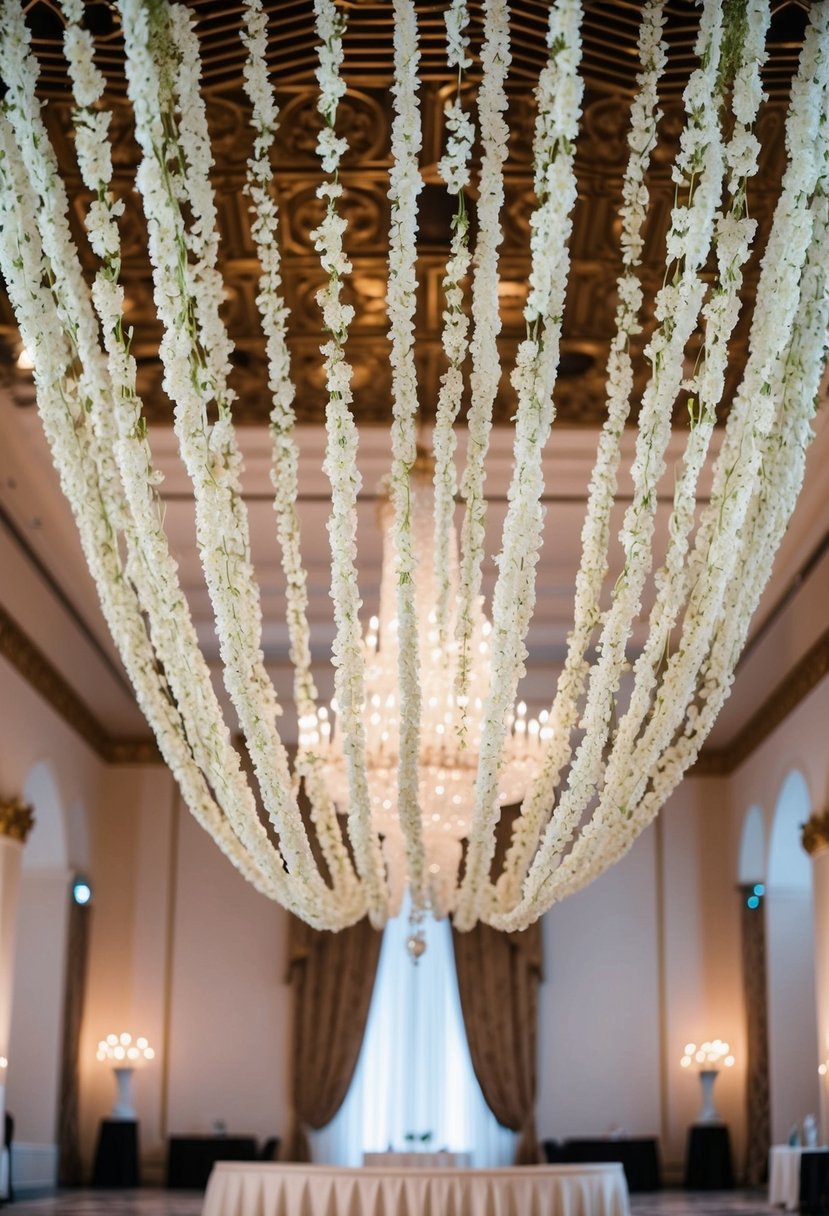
752, 864
788, 862
46, 847
790, 962
39, 969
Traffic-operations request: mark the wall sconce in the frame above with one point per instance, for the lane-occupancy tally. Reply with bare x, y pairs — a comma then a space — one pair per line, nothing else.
709, 1058
125, 1054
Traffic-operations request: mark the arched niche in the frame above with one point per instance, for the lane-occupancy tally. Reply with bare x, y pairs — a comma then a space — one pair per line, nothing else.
39, 974
752, 863
790, 962
46, 846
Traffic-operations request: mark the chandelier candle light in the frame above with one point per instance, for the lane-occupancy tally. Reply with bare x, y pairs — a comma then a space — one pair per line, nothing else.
125, 1054
407, 775
709, 1058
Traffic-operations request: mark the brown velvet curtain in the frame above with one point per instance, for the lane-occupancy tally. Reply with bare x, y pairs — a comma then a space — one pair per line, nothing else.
71, 1171
332, 976
498, 978
758, 1130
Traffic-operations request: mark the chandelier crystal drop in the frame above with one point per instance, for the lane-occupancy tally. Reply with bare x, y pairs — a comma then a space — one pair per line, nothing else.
425, 697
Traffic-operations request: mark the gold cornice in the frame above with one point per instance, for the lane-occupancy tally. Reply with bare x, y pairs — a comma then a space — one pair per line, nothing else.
16, 819
805, 676
816, 833
32, 664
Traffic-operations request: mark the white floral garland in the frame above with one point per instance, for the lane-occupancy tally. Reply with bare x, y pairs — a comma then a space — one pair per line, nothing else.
642, 137
732, 240
79, 325
699, 164
486, 325
162, 53
341, 468
558, 97
454, 168
151, 567
92, 418
285, 456
405, 183
74, 448
722, 545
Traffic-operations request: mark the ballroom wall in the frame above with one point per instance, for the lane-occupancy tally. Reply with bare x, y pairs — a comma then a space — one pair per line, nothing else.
183, 951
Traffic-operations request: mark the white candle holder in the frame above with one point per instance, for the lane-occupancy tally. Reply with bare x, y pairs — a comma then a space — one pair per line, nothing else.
125, 1054
709, 1057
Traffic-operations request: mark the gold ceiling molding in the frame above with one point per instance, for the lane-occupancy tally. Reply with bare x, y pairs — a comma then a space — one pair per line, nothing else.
610, 34
16, 819
778, 705
816, 833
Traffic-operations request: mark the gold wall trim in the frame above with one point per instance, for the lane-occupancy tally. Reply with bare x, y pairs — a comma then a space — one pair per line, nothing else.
816, 833
16, 819
783, 700
40, 674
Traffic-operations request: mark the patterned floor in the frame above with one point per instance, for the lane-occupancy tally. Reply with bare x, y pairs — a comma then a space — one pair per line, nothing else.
166, 1203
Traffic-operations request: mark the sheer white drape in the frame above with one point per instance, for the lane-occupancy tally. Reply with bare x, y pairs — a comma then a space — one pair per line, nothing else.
414, 1075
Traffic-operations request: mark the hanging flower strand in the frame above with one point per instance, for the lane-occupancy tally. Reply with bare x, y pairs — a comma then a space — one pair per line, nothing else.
486, 325
150, 565
405, 183
642, 138
699, 168
341, 465
51, 338
273, 313
559, 97
732, 244
454, 168
163, 77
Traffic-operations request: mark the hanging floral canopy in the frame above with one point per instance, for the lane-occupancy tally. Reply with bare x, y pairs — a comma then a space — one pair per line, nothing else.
609, 749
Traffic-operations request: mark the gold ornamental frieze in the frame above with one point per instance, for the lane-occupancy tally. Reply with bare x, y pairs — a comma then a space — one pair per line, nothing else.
816, 833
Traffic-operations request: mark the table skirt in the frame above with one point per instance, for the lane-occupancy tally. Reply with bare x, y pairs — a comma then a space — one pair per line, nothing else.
784, 1175
300, 1190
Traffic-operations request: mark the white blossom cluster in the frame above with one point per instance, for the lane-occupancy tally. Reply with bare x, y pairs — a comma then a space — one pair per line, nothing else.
171, 129
486, 325
558, 97
455, 170
273, 312
405, 183
645, 115
341, 469
676, 308
151, 567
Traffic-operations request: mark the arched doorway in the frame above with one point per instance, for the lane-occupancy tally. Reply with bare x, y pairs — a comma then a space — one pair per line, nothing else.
32, 1094
790, 957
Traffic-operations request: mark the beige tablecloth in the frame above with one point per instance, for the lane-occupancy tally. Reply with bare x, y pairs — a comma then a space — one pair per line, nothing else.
784, 1175
440, 1160
240, 1189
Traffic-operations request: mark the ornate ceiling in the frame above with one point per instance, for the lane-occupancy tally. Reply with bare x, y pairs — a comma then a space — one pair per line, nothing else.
610, 62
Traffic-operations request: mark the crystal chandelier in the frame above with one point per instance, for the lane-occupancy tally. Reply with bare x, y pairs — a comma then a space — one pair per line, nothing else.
447, 764
626, 719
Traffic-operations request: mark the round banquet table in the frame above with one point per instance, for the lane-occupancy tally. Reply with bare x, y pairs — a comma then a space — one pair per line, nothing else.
239, 1189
